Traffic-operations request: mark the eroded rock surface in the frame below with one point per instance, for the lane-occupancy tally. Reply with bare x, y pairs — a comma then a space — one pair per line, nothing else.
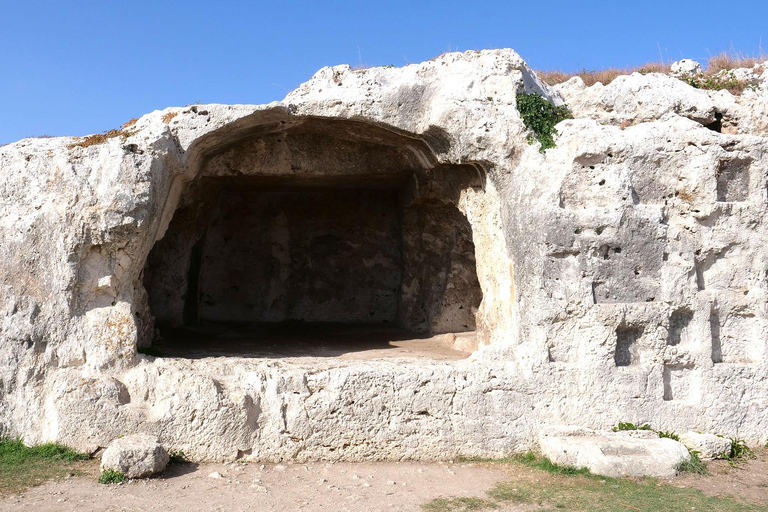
619, 276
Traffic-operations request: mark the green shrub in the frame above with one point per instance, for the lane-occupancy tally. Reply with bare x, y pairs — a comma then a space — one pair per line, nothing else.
740, 450
695, 465
111, 477
668, 435
540, 116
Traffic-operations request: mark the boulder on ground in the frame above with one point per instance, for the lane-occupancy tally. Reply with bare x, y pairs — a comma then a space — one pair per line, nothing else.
708, 446
136, 456
615, 454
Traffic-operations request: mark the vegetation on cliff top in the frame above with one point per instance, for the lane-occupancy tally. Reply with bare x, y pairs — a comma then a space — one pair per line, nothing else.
716, 76
540, 116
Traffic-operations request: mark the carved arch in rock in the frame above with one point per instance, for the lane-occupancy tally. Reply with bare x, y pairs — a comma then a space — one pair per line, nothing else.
279, 220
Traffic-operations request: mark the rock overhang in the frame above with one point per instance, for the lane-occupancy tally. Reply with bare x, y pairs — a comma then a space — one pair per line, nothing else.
560, 302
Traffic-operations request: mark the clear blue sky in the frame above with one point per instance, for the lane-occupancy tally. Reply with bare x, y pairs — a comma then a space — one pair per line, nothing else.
80, 67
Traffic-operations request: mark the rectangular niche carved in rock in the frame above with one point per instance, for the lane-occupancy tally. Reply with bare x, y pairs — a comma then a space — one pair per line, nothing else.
734, 338
307, 255
681, 383
563, 351
628, 269
714, 330
252, 265
678, 327
733, 180
626, 345
721, 269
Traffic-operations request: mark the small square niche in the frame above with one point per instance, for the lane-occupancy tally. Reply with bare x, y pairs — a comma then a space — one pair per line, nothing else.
626, 338
733, 180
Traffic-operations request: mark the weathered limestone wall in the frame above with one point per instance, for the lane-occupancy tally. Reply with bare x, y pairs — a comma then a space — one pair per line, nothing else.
623, 273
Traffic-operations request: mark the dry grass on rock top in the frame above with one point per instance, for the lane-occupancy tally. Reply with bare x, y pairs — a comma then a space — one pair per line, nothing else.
716, 64
98, 138
728, 60
604, 76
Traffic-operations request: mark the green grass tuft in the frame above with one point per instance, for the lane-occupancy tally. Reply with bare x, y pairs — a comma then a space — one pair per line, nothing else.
695, 465
739, 452
111, 477
23, 466
543, 463
631, 426
668, 435
532, 460
13, 451
457, 504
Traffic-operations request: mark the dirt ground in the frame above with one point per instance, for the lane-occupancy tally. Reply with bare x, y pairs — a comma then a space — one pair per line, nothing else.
747, 480
375, 486
369, 486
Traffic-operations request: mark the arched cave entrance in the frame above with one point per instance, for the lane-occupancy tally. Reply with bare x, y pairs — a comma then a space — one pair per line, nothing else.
319, 237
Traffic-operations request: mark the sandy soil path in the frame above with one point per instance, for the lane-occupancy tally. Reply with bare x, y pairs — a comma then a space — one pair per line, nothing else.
368, 487
337, 487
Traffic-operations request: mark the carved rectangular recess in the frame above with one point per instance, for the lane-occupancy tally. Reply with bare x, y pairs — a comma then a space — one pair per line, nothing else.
626, 345
678, 327
681, 383
562, 352
735, 339
733, 180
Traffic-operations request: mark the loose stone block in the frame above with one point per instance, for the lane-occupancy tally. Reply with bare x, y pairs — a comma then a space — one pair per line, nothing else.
616, 454
708, 446
136, 456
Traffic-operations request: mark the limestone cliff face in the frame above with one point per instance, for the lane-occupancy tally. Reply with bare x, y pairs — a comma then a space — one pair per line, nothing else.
623, 273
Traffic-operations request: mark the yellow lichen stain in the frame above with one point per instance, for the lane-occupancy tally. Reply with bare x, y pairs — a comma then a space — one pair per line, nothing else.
117, 332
